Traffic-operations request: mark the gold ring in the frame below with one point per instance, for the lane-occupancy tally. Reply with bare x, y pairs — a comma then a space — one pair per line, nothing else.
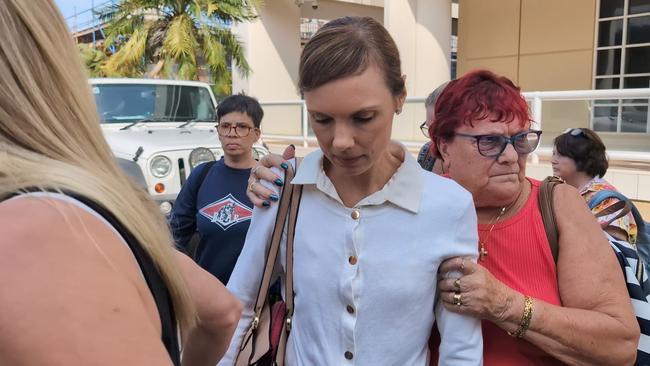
250, 186
457, 284
457, 300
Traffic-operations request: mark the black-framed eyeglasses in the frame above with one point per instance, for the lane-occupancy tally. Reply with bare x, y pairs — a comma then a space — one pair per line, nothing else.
493, 145
424, 128
241, 129
575, 132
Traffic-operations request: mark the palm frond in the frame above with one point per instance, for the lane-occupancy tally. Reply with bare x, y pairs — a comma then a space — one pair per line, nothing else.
131, 54
180, 41
232, 47
180, 36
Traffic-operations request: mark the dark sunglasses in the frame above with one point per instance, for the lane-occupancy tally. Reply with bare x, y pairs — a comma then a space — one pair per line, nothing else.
493, 145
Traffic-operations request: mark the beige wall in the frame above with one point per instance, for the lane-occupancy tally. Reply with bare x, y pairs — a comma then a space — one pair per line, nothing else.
556, 44
272, 48
539, 44
488, 36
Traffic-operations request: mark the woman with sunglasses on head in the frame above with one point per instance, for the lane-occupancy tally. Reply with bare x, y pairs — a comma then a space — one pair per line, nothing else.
579, 158
213, 201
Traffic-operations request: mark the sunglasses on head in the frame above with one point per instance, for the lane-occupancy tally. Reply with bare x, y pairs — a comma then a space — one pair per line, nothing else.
575, 132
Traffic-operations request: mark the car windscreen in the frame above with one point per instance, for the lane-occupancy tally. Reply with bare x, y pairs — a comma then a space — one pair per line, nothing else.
119, 103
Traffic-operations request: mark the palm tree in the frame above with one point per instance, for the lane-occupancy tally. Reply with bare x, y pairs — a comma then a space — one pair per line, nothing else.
94, 59
178, 37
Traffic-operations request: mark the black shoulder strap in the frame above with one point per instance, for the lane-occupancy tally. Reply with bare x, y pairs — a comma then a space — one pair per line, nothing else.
204, 173
151, 275
192, 246
153, 278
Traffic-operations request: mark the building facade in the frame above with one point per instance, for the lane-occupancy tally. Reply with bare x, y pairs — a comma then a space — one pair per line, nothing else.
567, 45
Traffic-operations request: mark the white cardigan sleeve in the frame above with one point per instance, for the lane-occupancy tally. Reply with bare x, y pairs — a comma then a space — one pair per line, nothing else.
461, 335
247, 274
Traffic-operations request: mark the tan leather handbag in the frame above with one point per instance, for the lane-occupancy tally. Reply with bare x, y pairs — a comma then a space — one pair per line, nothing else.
265, 341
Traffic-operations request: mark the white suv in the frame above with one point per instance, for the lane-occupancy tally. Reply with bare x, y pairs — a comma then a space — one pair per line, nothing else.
159, 130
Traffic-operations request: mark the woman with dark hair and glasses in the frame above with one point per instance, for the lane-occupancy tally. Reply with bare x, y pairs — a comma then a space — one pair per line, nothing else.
213, 201
426, 157
535, 311
579, 158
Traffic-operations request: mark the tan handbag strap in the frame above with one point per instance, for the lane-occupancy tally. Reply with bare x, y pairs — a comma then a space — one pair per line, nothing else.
276, 238
545, 204
291, 232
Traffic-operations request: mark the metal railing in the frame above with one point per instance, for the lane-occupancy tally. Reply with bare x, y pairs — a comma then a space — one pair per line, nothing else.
535, 99
88, 18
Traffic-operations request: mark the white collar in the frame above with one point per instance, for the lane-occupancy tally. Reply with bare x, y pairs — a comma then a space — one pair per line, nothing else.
404, 188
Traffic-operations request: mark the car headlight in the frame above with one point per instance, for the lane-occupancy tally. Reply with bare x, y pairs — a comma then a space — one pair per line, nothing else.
160, 166
218, 153
200, 155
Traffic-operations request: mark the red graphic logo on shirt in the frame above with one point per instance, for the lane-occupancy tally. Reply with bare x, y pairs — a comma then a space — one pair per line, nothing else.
227, 212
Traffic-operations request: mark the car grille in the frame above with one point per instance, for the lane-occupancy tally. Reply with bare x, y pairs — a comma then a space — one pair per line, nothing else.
181, 171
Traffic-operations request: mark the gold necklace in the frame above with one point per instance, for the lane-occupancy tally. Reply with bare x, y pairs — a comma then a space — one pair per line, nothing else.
483, 243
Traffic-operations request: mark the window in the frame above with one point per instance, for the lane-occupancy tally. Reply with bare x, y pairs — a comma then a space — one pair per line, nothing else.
120, 103
622, 61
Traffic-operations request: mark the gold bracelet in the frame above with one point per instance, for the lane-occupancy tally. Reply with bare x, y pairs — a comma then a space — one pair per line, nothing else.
525, 319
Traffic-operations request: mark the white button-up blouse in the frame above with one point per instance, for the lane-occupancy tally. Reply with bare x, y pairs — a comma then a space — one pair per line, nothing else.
365, 277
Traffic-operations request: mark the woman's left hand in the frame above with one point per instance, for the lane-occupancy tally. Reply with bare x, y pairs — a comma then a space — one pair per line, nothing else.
476, 292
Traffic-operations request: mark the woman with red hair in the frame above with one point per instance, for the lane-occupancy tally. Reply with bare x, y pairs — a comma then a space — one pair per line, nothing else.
535, 311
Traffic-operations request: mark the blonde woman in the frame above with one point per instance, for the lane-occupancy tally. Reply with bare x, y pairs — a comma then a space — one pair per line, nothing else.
87, 275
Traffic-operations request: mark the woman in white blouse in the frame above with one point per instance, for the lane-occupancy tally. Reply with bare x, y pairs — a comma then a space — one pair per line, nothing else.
372, 227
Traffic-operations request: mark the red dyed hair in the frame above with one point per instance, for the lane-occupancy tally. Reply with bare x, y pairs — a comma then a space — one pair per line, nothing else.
477, 95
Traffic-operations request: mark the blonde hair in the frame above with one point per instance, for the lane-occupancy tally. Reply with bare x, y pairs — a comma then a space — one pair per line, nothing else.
50, 135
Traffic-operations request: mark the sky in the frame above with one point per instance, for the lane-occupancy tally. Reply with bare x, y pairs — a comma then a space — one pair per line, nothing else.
84, 17
68, 6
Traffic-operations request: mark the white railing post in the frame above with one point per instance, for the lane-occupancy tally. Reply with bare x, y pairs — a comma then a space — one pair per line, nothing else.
305, 125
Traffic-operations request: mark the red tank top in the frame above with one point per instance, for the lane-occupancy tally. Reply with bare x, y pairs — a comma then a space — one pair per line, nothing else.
519, 256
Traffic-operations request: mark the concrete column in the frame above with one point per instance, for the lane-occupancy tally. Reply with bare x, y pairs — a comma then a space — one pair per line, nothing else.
272, 48
422, 31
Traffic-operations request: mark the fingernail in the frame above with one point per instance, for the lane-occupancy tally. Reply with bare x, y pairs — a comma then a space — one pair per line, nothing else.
284, 166
266, 204
274, 197
278, 182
